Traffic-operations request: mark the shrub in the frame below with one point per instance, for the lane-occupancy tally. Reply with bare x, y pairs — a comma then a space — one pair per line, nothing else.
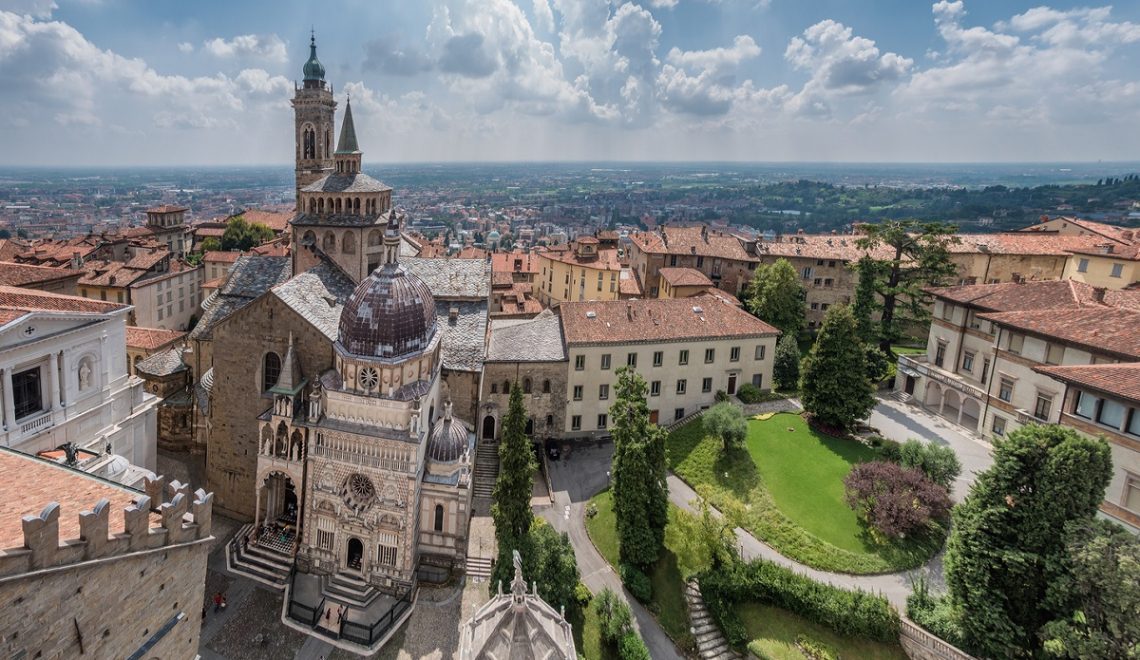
933, 613
591, 510
637, 582
889, 450
853, 613
721, 396
582, 595
814, 649
749, 393
614, 617
938, 462
631, 647
894, 500
726, 422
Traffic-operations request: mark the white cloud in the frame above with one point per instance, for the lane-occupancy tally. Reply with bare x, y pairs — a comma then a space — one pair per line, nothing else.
743, 47
713, 89
543, 15
841, 62
1076, 28
186, 47
264, 47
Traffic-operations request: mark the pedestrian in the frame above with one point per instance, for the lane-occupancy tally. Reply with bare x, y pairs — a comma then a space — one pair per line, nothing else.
217, 602
328, 615
223, 602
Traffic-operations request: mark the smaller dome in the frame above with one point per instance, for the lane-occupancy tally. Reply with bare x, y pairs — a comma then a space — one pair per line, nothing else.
449, 440
313, 69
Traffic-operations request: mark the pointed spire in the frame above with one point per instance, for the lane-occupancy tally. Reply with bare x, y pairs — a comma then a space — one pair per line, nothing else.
290, 379
347, 142
313, 69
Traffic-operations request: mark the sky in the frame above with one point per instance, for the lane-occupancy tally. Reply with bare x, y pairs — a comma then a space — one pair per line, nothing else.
208, 82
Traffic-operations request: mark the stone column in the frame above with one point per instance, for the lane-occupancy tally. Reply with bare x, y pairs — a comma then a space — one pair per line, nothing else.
53, 381
62, 382
257, 513
9, 401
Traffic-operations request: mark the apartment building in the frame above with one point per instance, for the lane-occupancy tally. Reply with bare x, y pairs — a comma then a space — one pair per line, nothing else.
687, 349
1103, 400
168, 300
1111, 265
722, 257
582, 270
986, 342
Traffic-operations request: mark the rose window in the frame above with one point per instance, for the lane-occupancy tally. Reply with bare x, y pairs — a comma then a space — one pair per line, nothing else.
358, 493
369, 378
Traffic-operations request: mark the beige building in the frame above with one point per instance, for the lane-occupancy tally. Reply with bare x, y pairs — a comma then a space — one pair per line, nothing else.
168, 300
686, 349
532, 353
987, 341
722, 257
1110, 265
579, 271
1103, 400
167, 225
89, 568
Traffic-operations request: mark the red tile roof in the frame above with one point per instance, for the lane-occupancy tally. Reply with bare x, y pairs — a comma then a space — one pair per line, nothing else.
1024, 296
278, 221
150, 339
684, 277
691, 240
1097, 329
606, 258
1022, 243
662, 319
147, 259
514, 262
221, 257
1122, 380
1108, 231
15, 274
30, 300
208, 232
109, 273
167, 208
819, 246
629, 284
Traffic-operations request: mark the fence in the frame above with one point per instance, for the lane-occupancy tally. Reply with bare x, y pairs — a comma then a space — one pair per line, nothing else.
922, 645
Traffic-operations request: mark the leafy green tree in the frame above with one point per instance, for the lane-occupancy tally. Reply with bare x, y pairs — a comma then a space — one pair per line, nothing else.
210, 244
920, 257
553, 565
726, 422
641, 497
776, 296
1007, 534
938, 462
1100, 589
243, 235
834, 387
786, 364
701, 541
864, 306
614, 617
510, 508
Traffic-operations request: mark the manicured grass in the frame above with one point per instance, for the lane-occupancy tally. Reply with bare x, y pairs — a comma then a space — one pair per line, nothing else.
907, 350
773, 632
787, 489
668, 604
588, 635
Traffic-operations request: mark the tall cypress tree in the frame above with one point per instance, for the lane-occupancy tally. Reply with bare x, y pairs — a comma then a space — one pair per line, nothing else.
641, 497
786, 364
511, 506
834, 387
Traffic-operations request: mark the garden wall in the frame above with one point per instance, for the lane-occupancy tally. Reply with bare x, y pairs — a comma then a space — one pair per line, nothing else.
921, 645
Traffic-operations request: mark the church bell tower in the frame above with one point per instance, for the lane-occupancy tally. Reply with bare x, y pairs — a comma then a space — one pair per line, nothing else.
313, 111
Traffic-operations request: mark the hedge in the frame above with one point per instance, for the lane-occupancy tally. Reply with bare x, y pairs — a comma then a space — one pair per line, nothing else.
852, 613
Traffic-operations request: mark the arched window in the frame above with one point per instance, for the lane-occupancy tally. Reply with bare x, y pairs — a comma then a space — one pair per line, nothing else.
506, 387
546, 386
348, 243
338, 205
439, 518
494, 387
374, 238
312, 205
321, 205
309, 238
310, 143
549, 421
328, 243
526, 386
270, 370
356, 206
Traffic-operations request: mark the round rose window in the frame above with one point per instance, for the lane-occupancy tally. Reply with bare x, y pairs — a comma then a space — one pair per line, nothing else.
368, 378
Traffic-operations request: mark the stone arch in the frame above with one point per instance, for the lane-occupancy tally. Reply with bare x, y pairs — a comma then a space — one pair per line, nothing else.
506, 387
270, 370
356, 205
438, 518
312, 205
339, 205
546, 386
348, 243
526, 385
266, 438
280, 442
321, 205
971, 412
951, 404
309, 238
328, 243
296, 443
489, 427
933, 398
374, 238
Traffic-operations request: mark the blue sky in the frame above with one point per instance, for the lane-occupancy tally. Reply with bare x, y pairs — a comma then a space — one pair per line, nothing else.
170, 82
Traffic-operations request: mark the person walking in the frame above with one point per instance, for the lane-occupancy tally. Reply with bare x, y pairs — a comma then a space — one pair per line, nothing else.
217, 602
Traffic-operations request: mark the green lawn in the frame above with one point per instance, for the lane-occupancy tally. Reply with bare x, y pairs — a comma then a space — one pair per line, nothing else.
773, 632
668, 586
787, 489
588, 636
907, 350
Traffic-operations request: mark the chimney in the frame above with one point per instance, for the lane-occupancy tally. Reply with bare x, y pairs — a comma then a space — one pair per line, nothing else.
629, 310
453, 314
1098, 294
1127, 235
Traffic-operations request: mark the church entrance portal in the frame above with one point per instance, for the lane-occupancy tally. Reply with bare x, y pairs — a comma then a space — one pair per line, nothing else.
277, 513
355, 553
488, 428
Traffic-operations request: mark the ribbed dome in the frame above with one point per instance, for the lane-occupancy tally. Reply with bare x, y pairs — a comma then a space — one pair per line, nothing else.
448, 441
390, 314
313, 69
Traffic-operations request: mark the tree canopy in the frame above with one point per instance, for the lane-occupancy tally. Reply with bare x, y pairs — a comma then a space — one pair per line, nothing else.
726, 422
834, 386
243, 235
510, 508
776, 296
786, 364
641, 497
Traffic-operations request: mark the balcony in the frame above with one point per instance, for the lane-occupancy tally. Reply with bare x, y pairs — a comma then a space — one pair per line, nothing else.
917, 365
36, 424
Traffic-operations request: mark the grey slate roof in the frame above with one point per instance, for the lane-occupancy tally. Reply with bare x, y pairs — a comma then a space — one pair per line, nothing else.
318, 295
347, 142
249, 278
163, 363
347, 183
462, 347
452, 278
537, 340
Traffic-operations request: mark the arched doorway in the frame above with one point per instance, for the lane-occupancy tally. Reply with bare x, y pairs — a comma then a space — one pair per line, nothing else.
277, 512
971, 411
529, 426
951, 403
933, 398
489, 428
355, 553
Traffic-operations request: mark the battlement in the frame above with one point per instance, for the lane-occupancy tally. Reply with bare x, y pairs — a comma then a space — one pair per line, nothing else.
166, 515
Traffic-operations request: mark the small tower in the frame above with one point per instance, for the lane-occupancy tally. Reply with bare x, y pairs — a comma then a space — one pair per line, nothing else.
348, 153
313, 113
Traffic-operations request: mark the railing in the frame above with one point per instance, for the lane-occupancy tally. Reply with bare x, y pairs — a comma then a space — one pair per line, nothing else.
367, 635
298, 611
37, 424
352, 457
925, 369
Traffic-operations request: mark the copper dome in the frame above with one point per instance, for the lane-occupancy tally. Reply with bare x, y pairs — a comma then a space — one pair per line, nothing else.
390, 314
449, 440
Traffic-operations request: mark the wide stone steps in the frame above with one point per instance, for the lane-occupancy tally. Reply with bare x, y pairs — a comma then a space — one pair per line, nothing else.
479, 567
711, 644
901, 396
266, 566
486, 470
350, 590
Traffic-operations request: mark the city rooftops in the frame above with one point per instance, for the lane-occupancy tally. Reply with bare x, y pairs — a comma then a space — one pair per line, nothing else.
1122, 380
149, 339
1098, 329
700, 241
16, 274
1032, 295
684, 277
16, 302
168, 208
657, 320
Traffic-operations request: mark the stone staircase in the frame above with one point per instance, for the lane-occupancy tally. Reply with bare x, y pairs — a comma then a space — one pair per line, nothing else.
349, 590
711, 644
479, 568
901, 396
486, 469
256, 562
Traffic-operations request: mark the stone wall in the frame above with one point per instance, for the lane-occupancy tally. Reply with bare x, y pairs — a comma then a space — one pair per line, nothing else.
921, 645
239, 346
463, 388
539, 405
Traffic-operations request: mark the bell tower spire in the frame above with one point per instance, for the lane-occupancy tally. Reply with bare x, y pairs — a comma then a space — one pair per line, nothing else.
313, 116
347, 150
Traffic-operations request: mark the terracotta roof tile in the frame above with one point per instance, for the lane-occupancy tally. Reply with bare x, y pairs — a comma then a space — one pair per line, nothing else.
109, 273
691, 240
147, 259
1024, 296
606, 259
684, 277
1123, 380
664, 319
167, 208
1097, 329
15, 274
514, 262
628, 283
150, 339
31, 300
1022, 243
275, 220
819, 246
221, 257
